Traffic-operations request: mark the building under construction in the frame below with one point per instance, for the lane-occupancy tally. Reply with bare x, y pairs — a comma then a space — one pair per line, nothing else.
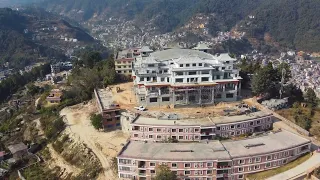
184, 77
110, 112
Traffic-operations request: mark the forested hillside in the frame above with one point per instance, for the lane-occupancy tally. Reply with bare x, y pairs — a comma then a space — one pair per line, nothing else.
24, 37
291, 23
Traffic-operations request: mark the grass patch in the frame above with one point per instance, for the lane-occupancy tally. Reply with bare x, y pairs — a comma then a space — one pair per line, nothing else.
272, 172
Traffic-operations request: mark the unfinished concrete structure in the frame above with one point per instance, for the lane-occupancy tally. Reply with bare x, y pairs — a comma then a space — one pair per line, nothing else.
184, 77
124, 59
110, 112
211, 160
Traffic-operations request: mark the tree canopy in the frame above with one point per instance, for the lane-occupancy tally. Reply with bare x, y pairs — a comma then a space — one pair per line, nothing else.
96, 121
164, 173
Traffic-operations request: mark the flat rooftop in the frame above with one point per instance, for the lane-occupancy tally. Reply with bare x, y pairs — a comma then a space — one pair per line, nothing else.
105, 99
175, 151
264, 144
213, 150
206, 121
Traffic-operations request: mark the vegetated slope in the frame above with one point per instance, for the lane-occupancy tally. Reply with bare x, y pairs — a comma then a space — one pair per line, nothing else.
21, 47
291, 23
168, 14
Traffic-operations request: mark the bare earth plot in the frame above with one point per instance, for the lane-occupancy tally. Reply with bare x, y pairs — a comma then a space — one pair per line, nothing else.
127, 100
104, 144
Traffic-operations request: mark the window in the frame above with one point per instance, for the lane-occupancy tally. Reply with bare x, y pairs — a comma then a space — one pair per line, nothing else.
180, 130
150, 136
209, 164
180, 137
153, 100
258, 122
173, 130
241, 161
152, 171
165, 71
187, 65
181, 65
196, 130
232, 126
227, 62
284, 161
174, 165
229, 95
258, 159
287, 153
269, 157
218, 96
256, 167
194, 64
158, 137
249, 168
200, 64
218, 128
150, 65
165, 99
187, 165
135, 135
268, 165
240, 176
150, 129
209, 171
196, 137
162, 79
239, 126
251, 123
179, 80
152, 164
204, 79
193, 73
187, 172
179, 73
142, 99
240, 169
205, 72
223, 68
158, 130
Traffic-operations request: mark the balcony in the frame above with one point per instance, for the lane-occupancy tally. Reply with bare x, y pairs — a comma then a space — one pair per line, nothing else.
222, 175
142, 164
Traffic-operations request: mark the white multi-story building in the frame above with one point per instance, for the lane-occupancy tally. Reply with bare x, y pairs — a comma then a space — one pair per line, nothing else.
184, 76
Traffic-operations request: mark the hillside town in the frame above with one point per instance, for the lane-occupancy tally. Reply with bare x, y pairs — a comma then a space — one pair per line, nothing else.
214, 95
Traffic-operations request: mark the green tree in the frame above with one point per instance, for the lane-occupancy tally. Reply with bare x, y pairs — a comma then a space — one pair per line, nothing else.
311, 98
164, 173
96, 121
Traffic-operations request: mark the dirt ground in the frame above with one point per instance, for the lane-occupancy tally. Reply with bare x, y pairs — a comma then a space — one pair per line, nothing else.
57, 160
104, 144
127, 100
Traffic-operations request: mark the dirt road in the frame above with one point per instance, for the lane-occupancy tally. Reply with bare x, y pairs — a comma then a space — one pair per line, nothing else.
104, 144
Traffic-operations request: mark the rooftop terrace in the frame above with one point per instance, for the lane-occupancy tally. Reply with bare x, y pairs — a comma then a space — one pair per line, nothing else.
213, 150
105, 99
205, 121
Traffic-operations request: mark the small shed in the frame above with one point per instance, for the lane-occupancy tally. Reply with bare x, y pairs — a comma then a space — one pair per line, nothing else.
18, 150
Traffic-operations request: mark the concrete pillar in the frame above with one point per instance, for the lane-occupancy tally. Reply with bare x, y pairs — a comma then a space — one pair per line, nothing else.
173, 97
187, 96
212, 99
223, 92
200, 99
239, 89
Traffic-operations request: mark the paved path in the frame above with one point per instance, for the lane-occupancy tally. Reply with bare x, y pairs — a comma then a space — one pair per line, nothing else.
312, 162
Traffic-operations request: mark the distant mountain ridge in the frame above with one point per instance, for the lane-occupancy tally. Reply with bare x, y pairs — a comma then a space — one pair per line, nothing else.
291, 23
24, 37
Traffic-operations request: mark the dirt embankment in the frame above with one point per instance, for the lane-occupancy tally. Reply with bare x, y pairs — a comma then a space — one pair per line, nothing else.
105, 145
